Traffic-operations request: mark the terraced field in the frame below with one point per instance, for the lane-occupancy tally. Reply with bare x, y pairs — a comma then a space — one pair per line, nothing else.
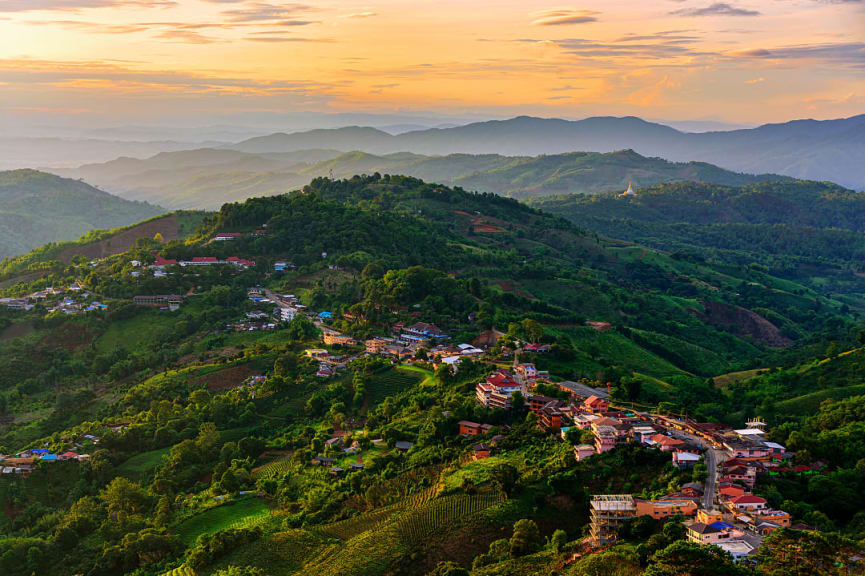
240, 514
391, 383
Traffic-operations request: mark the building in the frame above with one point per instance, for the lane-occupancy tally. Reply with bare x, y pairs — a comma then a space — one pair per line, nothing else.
496, 390
376, 345
171, 301
481, 451
422, 331
682, 460
746, 503
226, 236
550, 416
662, 509
332, 338
580, 392
608, 513
595, 405
468, 428
583, 451
738, 549
666, 443
605, 438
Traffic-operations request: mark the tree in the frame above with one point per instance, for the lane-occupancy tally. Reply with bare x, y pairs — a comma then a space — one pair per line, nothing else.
505, 476
448, 569
605, 564
688, 559
790, 552
526, 538
162, 515
558, 541
124, 498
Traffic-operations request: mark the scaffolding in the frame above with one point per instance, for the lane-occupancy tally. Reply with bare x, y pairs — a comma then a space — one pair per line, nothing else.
609, 511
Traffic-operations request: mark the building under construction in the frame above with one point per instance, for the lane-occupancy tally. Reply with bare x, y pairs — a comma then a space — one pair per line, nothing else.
609, 511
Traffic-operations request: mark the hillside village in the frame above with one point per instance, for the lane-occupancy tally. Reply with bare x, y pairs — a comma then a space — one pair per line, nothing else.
313, 397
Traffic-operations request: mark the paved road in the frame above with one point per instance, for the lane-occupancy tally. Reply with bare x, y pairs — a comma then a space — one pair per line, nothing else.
713, 458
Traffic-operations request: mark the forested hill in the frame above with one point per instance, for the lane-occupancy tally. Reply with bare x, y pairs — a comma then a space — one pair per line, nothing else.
222, 439
806, 231
37, 208
208, 178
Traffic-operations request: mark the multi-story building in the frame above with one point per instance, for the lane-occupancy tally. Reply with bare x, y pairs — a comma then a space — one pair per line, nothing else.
609, 512
496, 390
662, 509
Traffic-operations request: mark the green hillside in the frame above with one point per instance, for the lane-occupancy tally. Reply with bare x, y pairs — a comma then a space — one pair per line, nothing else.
37, 208
808, 232
208, 440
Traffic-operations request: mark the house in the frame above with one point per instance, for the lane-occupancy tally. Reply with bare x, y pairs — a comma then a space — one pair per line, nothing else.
692, 489
662, 509
334, 442
496, 390
172, 301
240, 262
332, 338
738, 549
336, 471
323, 461
550, 415
745, 474
579, 391
584, 421
526, 374
468, 428
403, 446
729, 490
583, 451
605, 438
682, 460
161, 263
487, 339
423, 331
226, 236
481, 451
666, 443
746, 503
536, 348
595, 405
777, 517
68, 456
376, 345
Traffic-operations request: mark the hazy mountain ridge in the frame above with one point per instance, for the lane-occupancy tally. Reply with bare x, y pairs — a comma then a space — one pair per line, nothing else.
817, 150
37, 208
207, 178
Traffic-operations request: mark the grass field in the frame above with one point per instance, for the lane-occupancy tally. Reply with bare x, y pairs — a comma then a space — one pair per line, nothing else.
142, 464
134, 332
240, 514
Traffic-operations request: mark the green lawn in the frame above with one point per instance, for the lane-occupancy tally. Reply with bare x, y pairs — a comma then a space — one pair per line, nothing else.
238, 514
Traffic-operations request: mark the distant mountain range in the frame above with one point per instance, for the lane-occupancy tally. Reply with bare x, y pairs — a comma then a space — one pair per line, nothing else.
208, 178
37, 208
831, 150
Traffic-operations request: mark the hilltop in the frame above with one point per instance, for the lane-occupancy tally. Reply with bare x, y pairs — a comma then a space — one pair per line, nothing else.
37, 208
208, 178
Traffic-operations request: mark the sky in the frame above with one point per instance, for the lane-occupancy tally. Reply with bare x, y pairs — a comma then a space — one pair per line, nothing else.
97, 62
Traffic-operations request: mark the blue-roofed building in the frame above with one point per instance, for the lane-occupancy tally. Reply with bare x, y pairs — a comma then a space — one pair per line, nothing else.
325, 315
40, 451
49, 457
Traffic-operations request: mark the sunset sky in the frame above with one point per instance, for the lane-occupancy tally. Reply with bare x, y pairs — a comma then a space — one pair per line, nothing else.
745, 61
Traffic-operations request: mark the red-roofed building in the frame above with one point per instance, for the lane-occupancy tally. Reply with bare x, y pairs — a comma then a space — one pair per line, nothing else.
161, 262
666, 443
496, 390
746, 503
223, 236
595, 405
468, 428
